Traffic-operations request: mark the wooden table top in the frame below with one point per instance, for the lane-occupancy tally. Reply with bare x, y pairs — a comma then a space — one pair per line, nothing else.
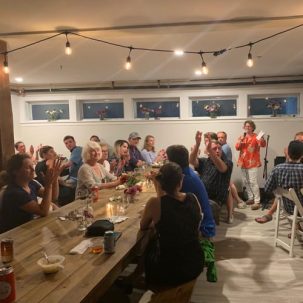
84, 277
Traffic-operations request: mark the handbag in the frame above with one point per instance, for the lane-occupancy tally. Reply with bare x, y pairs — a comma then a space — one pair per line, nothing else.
99, 227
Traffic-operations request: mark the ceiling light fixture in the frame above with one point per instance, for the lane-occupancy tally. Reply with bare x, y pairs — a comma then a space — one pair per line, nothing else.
5, 64
250, 61
128, 63
68, 50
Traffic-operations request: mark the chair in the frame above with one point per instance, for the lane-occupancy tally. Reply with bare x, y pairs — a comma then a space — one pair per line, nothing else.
292, 196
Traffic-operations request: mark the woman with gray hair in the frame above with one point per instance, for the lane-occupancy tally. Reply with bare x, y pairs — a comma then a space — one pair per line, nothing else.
92, 173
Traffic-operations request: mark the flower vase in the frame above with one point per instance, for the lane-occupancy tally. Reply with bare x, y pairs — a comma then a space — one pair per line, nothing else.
213, 115
146, 116
102, 117
130, 198
274, 113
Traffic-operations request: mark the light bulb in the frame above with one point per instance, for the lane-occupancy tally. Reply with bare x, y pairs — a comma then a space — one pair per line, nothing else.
68, 50
128, 63
198, 72
250, 61
179, 52
5, 67
204, 68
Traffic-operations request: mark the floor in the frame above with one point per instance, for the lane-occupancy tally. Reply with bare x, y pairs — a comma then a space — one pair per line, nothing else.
250, 269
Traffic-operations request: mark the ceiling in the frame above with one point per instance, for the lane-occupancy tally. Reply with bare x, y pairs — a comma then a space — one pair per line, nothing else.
192, 25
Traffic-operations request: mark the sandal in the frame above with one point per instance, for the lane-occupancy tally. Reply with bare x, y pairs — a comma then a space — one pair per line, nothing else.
264, 219
255, 206
241, 205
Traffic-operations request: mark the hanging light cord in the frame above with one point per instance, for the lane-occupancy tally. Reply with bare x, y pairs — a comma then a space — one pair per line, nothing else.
214, 52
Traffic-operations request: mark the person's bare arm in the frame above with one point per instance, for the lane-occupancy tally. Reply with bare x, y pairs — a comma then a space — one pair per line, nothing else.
193, 157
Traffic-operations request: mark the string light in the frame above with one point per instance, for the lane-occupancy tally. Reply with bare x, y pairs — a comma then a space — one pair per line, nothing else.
5, 64
250, 61
204, 66
128, 63
68, 50
178, 52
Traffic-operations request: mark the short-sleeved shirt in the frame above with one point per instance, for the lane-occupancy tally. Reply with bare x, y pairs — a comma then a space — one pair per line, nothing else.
193, 184
216, 183
76, 159
250, 152
286, 175
227, 151
14, 197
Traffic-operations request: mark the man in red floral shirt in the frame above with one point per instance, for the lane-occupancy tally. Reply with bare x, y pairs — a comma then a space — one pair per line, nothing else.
249, 160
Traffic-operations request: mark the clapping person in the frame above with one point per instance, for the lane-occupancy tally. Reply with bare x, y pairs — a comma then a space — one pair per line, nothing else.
20, 202
92, 173
149, 153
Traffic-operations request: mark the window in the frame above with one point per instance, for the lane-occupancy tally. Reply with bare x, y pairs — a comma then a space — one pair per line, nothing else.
214, 106
157, 108
273, 105
102, 109
49, 110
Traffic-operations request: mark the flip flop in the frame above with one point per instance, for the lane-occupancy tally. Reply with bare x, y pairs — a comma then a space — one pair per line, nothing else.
264, 219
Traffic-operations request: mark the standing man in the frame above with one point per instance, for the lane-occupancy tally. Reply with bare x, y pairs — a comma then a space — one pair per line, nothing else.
249, 161
222, 138
136, 159
75, 160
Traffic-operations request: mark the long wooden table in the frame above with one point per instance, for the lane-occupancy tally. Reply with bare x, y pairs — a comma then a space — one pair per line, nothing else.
85, 277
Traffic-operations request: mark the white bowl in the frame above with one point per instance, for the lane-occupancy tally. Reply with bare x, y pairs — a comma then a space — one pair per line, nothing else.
53, 265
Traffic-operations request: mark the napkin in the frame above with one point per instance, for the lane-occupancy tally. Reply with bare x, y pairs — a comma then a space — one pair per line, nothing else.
117, 219
81, 247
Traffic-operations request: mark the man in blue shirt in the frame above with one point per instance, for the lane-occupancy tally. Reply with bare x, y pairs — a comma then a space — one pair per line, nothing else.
136, 159
75, 160
192, 183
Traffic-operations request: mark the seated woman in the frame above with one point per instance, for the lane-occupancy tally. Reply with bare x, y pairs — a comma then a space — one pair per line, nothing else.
104, 157
19, 203
148, 152
120, 158
176, 217
92, 173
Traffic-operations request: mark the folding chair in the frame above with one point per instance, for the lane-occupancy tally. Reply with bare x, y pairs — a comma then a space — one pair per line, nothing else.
292, 196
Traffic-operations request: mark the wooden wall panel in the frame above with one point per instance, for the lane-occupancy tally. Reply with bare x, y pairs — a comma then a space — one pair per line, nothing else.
6, 115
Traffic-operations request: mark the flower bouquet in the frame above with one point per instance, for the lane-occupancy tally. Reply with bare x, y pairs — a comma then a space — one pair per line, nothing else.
131, 191
213, 109
274, 106
146, 112
102, 113
53, 115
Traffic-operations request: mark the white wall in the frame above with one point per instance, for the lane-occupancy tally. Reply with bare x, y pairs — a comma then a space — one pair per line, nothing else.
167, 132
